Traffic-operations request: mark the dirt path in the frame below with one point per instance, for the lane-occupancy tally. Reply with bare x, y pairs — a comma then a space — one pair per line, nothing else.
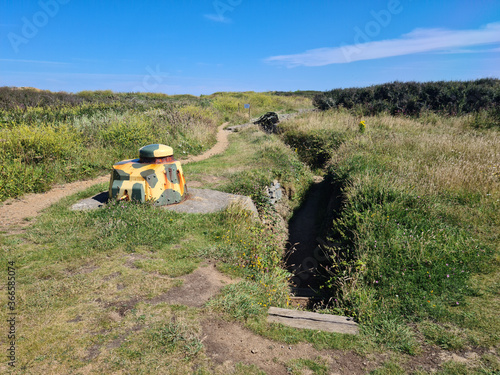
219, 148
15, 214
227, 343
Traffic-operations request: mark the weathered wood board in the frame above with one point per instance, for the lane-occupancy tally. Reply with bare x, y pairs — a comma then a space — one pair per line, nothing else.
310, 320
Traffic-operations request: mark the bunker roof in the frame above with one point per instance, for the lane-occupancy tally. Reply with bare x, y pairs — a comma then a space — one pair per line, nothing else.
155, 151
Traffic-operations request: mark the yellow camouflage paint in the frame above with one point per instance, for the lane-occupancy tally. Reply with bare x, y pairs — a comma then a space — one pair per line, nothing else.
156, 176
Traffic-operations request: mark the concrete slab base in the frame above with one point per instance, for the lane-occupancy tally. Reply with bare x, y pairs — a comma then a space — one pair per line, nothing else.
91, 203
199, 201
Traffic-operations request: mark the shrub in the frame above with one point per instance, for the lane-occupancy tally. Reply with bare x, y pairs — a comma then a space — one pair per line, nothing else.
411, 98
36, 143
314, 147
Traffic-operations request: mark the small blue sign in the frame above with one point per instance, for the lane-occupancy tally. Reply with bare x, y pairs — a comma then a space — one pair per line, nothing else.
247, 106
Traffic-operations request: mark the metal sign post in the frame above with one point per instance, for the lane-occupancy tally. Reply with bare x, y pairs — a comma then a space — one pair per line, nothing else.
248, 106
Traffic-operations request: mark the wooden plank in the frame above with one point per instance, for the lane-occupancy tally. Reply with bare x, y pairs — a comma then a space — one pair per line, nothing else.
311, 315
310, 320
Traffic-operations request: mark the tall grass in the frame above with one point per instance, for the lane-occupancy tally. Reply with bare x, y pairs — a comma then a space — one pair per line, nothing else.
420, 218
231, 105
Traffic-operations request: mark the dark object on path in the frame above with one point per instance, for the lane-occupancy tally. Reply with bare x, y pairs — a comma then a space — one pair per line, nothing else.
268, 122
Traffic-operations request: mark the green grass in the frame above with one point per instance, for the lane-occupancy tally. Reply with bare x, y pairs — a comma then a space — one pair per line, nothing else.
389, 368
316, 367
252, 161
230, 105
87, 278
483, 368
442, 336
171, 337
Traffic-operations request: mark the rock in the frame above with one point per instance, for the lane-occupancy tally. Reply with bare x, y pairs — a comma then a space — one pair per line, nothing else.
268, 122
97, 201
274, 192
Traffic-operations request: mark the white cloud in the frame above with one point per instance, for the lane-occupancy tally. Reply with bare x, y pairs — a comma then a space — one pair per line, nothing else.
34, 61
417, 41
469, 50
217, 18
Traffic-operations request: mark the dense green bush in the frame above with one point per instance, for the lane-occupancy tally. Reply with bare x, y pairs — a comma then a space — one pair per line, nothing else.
410, 98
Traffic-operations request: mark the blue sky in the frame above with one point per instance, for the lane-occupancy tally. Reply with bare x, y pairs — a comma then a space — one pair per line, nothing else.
200, 47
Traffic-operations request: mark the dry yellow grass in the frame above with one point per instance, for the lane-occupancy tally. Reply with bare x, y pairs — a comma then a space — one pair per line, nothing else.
430, 156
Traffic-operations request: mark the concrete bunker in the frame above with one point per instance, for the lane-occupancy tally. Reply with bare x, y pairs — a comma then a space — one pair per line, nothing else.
156, 177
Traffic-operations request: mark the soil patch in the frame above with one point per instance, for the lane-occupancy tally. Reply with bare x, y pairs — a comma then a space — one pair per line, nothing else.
228, 343
198, 287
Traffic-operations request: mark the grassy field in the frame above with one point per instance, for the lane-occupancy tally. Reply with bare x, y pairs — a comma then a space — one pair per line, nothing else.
419, 227
417, 263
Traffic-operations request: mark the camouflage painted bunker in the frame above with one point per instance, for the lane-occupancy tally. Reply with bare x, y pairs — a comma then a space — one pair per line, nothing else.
156, 176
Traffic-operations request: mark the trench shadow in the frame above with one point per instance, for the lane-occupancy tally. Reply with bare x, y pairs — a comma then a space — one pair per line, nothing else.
305, 255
